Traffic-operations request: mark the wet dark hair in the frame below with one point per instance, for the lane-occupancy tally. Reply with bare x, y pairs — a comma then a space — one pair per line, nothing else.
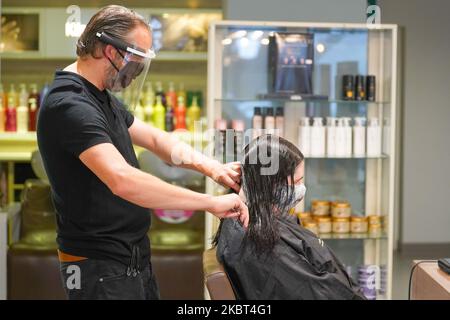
267, 195
116, 21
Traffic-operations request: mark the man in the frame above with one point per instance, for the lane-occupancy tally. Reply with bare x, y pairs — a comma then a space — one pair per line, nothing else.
86, 139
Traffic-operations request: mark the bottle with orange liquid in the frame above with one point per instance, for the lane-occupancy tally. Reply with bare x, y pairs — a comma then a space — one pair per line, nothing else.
180, 114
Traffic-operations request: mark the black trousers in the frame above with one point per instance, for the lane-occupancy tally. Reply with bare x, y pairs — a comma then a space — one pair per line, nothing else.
93, 279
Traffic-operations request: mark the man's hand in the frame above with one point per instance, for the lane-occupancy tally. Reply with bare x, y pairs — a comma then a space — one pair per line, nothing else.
229, 206
228, 174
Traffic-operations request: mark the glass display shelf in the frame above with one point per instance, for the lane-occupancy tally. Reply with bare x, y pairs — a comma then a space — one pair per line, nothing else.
381, 156
352, 236
309, 100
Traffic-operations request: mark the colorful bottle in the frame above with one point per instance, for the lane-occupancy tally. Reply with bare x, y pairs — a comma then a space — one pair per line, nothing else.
33, 106
171, 95
148, 102
159, 113
2, 109
180, 114
22, 117
160, 93
182, 92
32, 114
169, 116
23, 95
193, 114
11, 120
13, 98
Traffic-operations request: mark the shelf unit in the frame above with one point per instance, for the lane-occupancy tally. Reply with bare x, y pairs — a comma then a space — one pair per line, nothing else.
238, 78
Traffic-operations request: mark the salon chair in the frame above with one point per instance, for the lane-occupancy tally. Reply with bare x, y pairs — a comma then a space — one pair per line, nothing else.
216, 280
33, 266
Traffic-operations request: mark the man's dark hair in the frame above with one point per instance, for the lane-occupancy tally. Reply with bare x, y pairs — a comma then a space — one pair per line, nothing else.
116, 21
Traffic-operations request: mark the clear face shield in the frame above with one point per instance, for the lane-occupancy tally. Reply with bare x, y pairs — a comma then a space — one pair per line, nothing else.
129, 79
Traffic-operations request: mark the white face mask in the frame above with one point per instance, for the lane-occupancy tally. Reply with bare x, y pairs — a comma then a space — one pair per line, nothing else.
300, 191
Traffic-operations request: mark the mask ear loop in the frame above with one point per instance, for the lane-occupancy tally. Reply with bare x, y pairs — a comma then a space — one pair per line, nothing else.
112, 63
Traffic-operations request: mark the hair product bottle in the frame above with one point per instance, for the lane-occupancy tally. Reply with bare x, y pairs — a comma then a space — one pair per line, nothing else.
220, 140
2, 109
193, 114
33, 106
169, 116
148, 102
360, 91
159, 113
279, 121
359, 137
11, 117
160, 93
269, 121
304, 137
180, 114
257, 122
331, 137
348, 137
348, 87
171, 95
340, 138
317, 138
370, 88
239, 127
373, 138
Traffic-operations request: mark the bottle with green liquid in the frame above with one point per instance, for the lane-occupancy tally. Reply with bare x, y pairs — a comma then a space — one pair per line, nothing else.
149, 99
193, 114
159, 114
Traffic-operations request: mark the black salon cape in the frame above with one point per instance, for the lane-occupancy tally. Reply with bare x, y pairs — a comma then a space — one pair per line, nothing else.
301, 267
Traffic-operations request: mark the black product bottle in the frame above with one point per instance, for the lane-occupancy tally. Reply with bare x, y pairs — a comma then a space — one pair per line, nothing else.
360, 92
370, 88
348, 87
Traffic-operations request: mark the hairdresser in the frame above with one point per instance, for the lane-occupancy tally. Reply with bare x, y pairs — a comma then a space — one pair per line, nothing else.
86, 138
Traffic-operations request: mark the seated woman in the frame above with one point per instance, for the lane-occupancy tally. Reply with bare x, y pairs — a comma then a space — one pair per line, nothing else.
276, 258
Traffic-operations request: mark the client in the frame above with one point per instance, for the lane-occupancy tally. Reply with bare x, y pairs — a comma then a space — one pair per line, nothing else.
276, 258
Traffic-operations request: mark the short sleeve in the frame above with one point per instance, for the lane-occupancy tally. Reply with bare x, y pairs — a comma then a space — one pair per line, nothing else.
81, 126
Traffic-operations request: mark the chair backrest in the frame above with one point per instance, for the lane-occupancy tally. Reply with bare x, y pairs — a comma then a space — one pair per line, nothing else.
216, 280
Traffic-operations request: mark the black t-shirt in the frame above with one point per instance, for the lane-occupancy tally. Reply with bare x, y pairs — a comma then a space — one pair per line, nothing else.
92, 221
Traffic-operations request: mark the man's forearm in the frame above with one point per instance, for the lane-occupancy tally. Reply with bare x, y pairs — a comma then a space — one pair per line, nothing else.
170, 149
148, 191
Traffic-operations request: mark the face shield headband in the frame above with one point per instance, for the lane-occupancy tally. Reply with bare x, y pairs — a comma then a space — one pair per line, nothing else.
136, 62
